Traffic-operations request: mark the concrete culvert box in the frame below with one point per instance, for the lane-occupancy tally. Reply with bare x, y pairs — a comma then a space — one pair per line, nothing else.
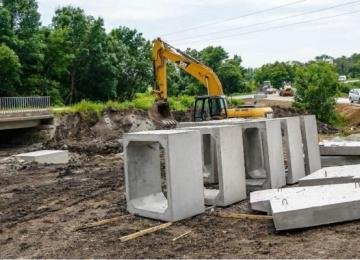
179, 194
223, 155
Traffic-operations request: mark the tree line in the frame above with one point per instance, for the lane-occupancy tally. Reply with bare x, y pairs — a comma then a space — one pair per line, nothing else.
74, 58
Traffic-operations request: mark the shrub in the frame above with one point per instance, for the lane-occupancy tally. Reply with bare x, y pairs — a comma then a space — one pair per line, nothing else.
317, 85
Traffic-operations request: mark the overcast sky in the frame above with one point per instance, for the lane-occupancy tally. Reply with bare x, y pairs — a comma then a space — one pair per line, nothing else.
257, 38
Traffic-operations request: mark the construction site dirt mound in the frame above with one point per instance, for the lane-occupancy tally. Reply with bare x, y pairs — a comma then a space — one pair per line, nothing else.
93, 134
351, 113
283, 111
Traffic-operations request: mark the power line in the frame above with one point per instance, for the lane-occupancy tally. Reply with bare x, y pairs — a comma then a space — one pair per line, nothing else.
281, 26
269, 21
235, 18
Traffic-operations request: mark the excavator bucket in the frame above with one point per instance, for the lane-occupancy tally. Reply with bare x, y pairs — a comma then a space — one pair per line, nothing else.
160, 114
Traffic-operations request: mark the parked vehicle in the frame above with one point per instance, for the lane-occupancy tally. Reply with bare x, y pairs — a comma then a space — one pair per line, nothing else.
286, 92
267, 88
342, 78
354, 95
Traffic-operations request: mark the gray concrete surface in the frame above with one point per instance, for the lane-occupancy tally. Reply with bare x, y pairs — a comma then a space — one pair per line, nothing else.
311, 143
317, 205
226, 159
176, 195
336, 148
327, 161
260, 200
24, 119
264, 160
332, 175
301, 207
262, 148
46, 156
294, 149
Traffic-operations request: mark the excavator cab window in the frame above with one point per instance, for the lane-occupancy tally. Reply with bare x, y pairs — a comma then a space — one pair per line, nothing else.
210, 108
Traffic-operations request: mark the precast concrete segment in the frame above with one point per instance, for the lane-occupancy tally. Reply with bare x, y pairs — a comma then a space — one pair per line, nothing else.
332, 175
344, 148
260, 200
317, 205
184, 193
262, 148
210, 160
327, 161
294, 149
229, 121
46, 156
311, 143
273, 154
228, 155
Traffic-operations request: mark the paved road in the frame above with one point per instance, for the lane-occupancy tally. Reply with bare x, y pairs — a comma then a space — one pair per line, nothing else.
276, 97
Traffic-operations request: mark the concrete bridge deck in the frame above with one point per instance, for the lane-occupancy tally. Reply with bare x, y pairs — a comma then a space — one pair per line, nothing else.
24, 112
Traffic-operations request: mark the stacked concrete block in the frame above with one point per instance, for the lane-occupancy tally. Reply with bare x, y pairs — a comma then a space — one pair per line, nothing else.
183, 196
294, 149
311, 144
224, 158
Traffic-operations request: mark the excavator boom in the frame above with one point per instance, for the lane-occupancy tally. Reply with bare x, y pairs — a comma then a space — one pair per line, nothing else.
213, 106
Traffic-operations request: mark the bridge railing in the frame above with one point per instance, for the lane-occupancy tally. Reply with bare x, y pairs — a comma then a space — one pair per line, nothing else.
23, 104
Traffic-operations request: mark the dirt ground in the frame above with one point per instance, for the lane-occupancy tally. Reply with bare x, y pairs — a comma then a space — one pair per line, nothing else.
46, 210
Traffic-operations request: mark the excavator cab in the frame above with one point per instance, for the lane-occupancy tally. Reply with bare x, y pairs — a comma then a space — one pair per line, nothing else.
210, 108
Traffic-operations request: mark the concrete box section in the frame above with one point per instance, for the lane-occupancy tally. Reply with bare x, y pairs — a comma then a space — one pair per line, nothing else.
311, 144
172, 195
224, 156
263, 151
317, 205
332, 175
46, 156
294, 149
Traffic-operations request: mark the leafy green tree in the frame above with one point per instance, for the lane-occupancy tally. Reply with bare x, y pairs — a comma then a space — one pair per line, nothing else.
231, 75
277, 73
132, 57
25, 39
9, 72
317, 85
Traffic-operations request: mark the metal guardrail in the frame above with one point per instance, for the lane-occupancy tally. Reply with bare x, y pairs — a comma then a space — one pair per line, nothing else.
23, 104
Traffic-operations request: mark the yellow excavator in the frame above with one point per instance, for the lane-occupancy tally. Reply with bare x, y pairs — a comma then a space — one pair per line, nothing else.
210, 107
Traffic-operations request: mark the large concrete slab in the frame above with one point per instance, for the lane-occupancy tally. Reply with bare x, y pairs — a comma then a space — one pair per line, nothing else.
322, 205
175, 194
332, 175
327, 161
260, 200
294, 149
311, 143
46, 156
223, 155
336, 148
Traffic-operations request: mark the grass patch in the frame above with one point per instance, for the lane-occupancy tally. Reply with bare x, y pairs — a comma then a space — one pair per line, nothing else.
141, 101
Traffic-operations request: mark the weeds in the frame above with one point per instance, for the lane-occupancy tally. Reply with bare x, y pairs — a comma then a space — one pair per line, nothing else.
141, 101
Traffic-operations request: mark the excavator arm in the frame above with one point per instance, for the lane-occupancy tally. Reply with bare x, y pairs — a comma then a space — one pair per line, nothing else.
163, 52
